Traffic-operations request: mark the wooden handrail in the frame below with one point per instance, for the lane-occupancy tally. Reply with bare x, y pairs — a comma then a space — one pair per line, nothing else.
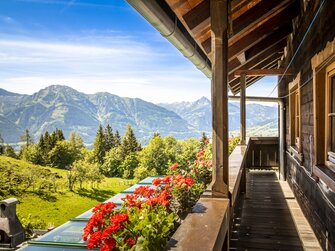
207, 227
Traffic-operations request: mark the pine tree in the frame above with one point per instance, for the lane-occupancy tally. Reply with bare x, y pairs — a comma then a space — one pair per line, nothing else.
77, 145
41, 142
156, 134
57, 135
47, 141
98, 146
117, 139
76, 141
27, 138
42, 149
129, 142
109, 138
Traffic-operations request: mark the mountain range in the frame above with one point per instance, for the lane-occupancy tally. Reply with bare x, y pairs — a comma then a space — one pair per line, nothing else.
65, 108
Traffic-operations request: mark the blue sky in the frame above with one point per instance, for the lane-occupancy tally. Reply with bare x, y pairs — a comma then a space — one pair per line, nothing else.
93, 46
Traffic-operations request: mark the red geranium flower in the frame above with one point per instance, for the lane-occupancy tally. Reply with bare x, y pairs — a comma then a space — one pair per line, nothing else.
174, 166
156, 182
130, 241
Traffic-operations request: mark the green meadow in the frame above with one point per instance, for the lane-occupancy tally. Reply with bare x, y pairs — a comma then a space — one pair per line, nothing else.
51, 205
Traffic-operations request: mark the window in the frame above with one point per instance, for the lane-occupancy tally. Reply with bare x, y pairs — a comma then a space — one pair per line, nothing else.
330, 113
324, 110
294, 112
323, 65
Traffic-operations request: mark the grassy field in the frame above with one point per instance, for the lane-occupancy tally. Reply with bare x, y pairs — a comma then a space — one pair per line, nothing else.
63, 205
259, 131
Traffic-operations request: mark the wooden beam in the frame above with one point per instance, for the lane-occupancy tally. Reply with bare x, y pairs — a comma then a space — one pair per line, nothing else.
261, 63
255, 61
276, 37
242, 42
200, 14
243, 109
219, 24
198, 20
241, 58
251, 80
283, 17
255, 15
263, 72
270, 62
238, 10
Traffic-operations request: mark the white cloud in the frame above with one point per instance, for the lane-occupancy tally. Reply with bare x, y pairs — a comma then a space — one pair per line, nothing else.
33, 51
122, 67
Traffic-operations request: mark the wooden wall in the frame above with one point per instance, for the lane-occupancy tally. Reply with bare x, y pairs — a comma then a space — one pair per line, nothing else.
316, 200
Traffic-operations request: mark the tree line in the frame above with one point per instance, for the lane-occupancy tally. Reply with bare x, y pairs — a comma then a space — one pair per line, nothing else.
111, 155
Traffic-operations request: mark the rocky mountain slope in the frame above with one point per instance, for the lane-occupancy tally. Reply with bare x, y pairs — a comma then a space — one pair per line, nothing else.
65, 108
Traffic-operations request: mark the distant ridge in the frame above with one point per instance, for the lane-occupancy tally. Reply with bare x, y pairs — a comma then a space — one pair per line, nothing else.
60, 106
3, 92
199, 114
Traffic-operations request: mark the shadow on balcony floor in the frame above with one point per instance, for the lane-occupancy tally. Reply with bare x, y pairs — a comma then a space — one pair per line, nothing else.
269, 218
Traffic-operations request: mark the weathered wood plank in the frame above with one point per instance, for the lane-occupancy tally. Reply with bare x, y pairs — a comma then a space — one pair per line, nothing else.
204, 229
263, 72
276, 37
254, 61
270, 218
239, 43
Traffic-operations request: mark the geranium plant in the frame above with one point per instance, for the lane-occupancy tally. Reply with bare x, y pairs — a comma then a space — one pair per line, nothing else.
149, 216
142, 223
146, 219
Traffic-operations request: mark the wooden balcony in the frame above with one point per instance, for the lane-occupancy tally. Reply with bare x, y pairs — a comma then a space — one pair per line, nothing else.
260, 214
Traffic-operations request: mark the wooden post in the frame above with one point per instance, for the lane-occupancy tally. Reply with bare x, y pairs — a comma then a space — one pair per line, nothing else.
219, 35
242, 110
282, 171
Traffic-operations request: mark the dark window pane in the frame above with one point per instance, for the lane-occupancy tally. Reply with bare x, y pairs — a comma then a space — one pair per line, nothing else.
332, 118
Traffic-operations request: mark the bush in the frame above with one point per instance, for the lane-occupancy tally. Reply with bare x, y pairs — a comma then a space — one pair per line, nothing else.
9, 152
31, 223
62, 155
112, 163
129, 164
142, 172
32, 154
148, 217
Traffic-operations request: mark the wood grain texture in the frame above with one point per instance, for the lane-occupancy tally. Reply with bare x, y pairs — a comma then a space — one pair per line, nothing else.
269, 217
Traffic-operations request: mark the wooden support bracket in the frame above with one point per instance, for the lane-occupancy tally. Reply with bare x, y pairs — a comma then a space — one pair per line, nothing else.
263, 72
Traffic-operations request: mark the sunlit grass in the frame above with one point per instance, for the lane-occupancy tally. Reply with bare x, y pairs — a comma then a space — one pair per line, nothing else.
56, 208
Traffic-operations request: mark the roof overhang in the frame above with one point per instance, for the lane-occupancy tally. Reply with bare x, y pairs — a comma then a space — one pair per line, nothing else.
259, 30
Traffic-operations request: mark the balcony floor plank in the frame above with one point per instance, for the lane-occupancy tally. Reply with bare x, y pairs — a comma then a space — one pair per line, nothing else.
268, 217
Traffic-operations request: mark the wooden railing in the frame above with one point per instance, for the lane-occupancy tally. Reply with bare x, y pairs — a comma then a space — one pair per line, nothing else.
207, 227
263, 152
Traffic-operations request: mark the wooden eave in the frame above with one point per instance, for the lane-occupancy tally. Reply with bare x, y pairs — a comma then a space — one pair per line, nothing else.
259, 32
